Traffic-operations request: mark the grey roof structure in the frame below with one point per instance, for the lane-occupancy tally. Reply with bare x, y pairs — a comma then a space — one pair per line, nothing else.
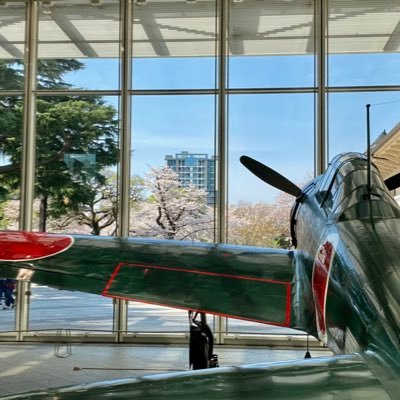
179, 28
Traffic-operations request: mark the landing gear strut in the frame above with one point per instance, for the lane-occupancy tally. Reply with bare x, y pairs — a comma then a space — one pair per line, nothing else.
201, 343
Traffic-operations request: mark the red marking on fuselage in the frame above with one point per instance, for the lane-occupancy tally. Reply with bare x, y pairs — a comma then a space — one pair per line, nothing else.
30, 246
320, 282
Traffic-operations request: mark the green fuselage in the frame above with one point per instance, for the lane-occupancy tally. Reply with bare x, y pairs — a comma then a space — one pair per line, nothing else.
362, 298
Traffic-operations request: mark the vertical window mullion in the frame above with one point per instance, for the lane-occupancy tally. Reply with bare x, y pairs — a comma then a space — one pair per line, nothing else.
320, 151
121, 306
222, 140
28, 155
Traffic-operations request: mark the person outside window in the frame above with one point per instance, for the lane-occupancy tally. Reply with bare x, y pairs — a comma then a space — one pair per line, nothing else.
7, 287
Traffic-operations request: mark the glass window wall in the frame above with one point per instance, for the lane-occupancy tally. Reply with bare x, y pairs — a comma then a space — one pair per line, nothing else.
363, 51
53, 310
7, 305
12, 42
153, 318
78, 44
76, 192
76, 167
10, 160
270, 49
174, 44
363, 43
173, 135
271, 46
348, 122
277, 130
162, 99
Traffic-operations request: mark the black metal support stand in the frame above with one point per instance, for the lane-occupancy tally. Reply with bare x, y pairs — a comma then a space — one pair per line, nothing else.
201, 342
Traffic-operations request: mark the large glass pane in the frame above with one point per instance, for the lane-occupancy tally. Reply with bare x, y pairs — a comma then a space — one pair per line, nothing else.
347, 119
364, 43
175, 150
52, 309
174, 44
271, 44
153, 318
78, 44
277, 130
10, 160
12, 34
77, 146
7, 302
177, 145
76, 192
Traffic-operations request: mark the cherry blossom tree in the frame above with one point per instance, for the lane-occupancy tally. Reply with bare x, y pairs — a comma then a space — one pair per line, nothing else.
261, 224
172, 211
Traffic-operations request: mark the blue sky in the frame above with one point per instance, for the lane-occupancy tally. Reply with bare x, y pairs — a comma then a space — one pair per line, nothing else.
277, 129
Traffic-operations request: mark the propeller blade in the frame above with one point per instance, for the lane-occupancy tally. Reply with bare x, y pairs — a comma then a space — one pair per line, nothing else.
268, 175
393, 182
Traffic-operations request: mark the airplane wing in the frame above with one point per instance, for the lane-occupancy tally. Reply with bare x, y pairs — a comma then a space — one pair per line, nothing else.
242, 282
339, 378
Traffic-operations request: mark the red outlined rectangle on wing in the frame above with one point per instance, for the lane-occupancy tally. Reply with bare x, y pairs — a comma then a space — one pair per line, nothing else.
125, 273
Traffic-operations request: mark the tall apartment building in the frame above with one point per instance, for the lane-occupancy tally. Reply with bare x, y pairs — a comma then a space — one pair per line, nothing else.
195, 169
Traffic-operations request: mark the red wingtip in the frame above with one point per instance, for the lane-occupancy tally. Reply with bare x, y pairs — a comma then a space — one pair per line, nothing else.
26, 246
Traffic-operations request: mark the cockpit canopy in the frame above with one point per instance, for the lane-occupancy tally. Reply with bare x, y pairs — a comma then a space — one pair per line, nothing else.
343, 190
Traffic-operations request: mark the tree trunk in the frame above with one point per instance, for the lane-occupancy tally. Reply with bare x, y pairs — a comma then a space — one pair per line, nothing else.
95, 228
43, 213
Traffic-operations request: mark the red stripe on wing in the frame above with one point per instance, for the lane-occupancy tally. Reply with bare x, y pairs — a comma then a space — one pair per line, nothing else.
146, 268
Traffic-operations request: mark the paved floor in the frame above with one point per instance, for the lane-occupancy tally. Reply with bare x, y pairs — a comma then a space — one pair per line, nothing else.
25, 367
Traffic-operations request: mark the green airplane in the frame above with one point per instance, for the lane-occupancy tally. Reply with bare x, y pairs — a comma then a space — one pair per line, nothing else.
340, 283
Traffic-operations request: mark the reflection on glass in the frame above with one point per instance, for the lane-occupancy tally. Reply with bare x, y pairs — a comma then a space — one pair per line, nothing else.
271, 44
173, 162
363, 43
174, 45
79, 44
53, 309
12, 23
77, 154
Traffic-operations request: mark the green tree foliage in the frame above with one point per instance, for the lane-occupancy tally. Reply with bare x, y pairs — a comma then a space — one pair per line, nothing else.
49, 73
3, 217
97, 214
77, 137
